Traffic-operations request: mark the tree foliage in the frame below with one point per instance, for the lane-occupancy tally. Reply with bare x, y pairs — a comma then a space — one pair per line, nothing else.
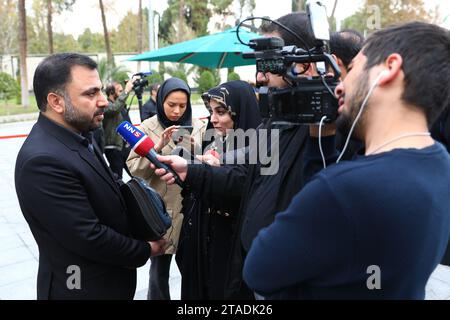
125, 38
233, 76
376, 14
195, 15
180, 70
9, 25
155, 77
109, 73
37, 32
91, 42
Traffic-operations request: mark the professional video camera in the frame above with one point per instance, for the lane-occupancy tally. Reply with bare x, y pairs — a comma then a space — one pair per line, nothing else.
307, 99
139, 85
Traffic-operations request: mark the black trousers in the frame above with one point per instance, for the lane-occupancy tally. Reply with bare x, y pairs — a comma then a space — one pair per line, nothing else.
115, 159
158, 286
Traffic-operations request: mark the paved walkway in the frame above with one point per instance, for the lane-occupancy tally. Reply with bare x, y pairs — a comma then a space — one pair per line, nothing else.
19, 253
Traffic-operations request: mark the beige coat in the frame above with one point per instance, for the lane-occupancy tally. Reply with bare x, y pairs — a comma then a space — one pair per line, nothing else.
171, 194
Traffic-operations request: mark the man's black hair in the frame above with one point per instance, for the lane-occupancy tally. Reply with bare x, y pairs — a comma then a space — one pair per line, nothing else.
111, 88
297, 22
54, 73
154, 87
346, 44
425, 49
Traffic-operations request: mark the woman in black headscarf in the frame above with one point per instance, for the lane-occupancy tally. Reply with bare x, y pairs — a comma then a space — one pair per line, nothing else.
211, 223
173, 109
232, 106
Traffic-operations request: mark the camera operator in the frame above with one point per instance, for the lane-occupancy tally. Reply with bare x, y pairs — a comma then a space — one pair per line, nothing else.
375, 227
264, 194
115, 113
344, 46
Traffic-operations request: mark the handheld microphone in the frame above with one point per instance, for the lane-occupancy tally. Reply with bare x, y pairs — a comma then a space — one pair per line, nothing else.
143, 146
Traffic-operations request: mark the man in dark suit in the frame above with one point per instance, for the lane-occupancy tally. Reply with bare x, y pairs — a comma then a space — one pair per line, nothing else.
68, 194
149, 108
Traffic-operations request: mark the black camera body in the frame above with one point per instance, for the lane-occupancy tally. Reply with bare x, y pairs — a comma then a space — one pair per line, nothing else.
140, 83
307, 99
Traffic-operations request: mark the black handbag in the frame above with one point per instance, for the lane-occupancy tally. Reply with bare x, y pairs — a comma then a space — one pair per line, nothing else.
147, 214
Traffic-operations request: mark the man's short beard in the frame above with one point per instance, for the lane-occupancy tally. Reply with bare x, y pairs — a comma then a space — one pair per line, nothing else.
346, 119
77, 120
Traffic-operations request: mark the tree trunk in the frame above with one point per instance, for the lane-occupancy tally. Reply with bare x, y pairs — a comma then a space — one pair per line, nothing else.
180, 21
23, 53
332, 19
140, 33
109, 55
49, 26
334, 9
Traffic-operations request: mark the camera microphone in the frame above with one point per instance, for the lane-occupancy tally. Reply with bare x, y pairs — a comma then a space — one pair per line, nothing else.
143, 74
142, 145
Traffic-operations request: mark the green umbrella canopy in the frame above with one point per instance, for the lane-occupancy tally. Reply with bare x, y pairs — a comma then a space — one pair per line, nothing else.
219, 50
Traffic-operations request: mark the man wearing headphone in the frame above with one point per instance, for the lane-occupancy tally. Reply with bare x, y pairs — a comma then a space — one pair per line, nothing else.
375, 227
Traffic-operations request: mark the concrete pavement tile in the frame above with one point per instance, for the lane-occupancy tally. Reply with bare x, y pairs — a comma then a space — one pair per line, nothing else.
15, 217
140, 294
438, 286
6, 230
34, 249
442, 273
175, 288
10, 242
20, 228
9, 204
5, 194
21, 290
18, 272
9, 211
27, 238
437, 290
143, 278
15, 255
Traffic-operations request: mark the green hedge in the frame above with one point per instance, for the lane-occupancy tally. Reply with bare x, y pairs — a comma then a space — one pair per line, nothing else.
9, 89
206, 81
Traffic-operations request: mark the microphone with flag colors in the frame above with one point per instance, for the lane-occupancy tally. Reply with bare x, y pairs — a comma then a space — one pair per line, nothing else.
143, 146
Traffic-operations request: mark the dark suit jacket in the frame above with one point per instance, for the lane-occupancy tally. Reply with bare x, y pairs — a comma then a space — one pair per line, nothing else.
77, 216
148, 109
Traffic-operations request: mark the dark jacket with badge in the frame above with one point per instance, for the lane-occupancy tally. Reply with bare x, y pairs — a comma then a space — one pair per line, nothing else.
260, 197
77, 216
211, 209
